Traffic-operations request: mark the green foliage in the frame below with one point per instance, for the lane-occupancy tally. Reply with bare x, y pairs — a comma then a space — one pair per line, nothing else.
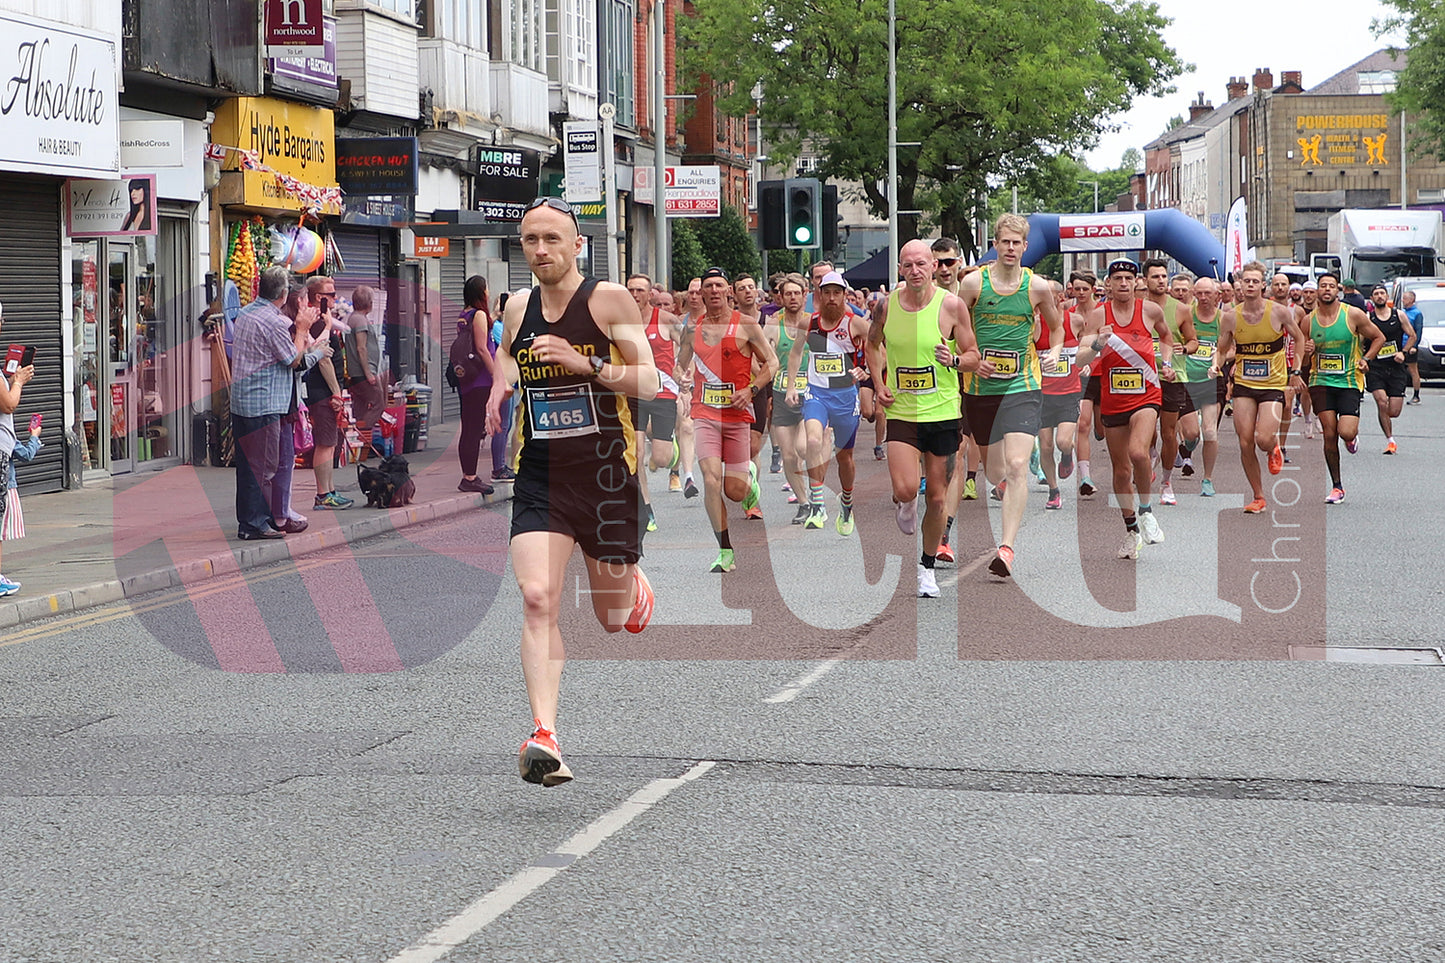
1420, 86
992, 90
727, 243
688, 260
1132, 161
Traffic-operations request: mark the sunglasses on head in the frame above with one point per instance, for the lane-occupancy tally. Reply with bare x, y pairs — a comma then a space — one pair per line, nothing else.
556, 204
948, 261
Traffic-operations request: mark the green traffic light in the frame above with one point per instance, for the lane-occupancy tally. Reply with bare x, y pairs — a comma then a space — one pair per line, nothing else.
802, 234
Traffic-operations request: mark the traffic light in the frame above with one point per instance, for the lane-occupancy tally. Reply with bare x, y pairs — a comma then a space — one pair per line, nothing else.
830, 217
803, 216
770, 215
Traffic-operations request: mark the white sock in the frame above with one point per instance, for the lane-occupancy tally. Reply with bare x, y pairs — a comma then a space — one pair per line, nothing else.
1084, 468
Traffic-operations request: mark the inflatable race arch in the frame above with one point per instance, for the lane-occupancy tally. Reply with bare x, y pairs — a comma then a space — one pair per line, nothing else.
1167, 229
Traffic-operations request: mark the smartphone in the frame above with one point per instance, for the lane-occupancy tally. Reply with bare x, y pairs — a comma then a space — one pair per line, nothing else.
27, 357
35, 422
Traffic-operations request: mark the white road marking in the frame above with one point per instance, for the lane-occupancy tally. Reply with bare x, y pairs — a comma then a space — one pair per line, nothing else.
790, 691
487, 909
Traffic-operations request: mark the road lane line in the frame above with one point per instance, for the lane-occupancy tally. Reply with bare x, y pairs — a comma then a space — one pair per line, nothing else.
790, 691
486, 910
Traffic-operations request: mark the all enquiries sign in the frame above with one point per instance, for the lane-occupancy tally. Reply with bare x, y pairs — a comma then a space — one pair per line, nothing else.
59, 104
689, 192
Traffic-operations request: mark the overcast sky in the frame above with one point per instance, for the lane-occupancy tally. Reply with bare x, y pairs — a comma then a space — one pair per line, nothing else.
1231, 38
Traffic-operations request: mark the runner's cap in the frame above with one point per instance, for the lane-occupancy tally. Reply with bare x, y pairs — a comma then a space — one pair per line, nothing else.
833, 277
1309, 286
1296, 286
716, 272
1123, 264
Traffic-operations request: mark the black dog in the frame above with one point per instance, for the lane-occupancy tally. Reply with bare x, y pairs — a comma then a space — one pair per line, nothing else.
389, 485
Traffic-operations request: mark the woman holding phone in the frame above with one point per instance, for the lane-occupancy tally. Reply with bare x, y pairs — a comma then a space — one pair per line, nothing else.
10, 391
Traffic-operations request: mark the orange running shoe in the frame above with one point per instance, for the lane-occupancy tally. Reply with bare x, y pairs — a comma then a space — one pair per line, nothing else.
755, 514
1276, 461
641, 609
1256, 506
1390, 448
1003, 563
945, 553
539, 759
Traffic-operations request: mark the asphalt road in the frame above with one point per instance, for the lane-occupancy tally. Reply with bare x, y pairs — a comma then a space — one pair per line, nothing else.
800, 761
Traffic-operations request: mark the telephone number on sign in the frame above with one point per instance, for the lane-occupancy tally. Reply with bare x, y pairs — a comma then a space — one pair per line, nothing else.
701, 205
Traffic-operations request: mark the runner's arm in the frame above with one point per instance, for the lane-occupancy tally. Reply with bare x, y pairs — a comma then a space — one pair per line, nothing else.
956, 326
877, 353
1364, 327
636, 377
1047, 306
1184, 319
1224, 345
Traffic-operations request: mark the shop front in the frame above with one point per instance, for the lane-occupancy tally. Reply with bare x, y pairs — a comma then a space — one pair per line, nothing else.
41, 150
137, 295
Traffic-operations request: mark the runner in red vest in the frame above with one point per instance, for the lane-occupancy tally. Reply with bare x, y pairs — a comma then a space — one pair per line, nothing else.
732, 361
1117, 342
1058, 422
656, 419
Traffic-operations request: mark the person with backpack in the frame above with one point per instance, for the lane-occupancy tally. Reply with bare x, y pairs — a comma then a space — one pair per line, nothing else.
471, 365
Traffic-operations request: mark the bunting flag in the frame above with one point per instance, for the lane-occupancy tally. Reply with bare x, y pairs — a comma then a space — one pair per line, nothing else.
311, 195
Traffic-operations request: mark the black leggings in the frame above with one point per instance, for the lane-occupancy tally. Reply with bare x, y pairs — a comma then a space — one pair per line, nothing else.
474, 428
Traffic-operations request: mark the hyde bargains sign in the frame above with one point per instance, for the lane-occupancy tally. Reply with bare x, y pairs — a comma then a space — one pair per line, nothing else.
59, 105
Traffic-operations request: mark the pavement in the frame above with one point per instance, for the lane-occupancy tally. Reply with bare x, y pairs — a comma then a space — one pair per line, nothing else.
129, 535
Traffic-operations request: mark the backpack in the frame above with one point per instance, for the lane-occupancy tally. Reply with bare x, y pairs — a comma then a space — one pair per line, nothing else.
388, 485
463, 362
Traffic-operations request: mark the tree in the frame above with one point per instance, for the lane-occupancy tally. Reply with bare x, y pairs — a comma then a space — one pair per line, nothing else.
1420, 85
726, 242
990, 91
1132, 161
688, 260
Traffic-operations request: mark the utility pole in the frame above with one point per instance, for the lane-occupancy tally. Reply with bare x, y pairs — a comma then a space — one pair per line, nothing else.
663, 271
609, 166
892, 145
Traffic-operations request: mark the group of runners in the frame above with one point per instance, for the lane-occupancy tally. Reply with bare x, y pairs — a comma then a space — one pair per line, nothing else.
994, 366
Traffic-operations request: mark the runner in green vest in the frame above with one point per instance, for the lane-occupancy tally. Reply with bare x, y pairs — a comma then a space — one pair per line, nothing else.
908, 340
1002, 398
1177, 402
1203, 417
1337, 372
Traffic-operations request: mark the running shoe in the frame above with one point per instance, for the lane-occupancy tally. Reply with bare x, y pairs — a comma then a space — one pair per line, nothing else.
1206, 489
750, 500
803, 512
1296, 413
1285, 453
539, 759
641, 612
674, 483
787, 488
1255, 507
877, 452
1352, 446
792, 499
1149, 528
8, 587
777, 463
1066, 464
927, 584
332, 500
1335, 496
923, 486
1276, 461
505, 474
754, 514
970, 490
996, 492
1042, 479
676, 457
1056, 499
1187, 468
1003, 563
1034, 463
724, 561
690, 489
1309, 427
817, 517
1390, 448
945, 553
906, 514
1178, 460
844, 525
1414, 401
1086, 487
1166, 497
1228, 409
651, 520
1130, 548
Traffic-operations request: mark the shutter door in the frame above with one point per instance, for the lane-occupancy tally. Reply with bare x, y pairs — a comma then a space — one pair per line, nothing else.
361, 250
518, 274
453, 279
30, 275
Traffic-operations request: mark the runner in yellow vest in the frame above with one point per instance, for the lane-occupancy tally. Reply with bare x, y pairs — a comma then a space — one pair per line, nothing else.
908, 342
